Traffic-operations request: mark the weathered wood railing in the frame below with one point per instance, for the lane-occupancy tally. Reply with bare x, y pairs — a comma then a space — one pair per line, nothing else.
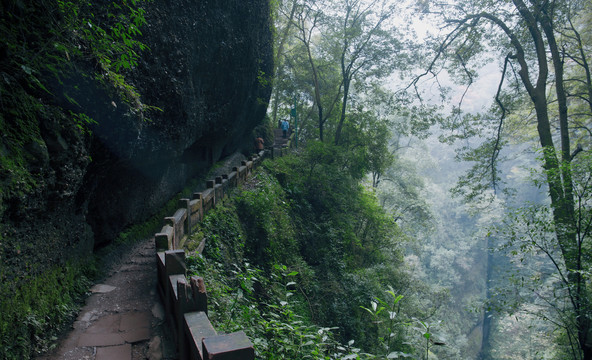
185, 300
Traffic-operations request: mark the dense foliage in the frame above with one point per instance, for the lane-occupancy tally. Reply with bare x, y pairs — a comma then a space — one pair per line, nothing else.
31, 315
542, 97
302, 258
44, 42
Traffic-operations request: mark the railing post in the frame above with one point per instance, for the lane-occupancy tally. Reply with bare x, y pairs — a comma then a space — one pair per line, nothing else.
219, 190
186, 204
164, 239
196, 209
200, 296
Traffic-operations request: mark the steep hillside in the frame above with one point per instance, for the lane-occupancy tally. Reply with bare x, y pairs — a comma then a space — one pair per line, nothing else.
295, 256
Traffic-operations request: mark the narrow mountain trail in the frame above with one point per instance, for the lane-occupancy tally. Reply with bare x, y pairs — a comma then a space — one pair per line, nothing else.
279, 140
123, 318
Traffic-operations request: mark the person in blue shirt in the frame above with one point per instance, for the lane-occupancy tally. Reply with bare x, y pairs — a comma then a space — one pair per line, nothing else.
285, 127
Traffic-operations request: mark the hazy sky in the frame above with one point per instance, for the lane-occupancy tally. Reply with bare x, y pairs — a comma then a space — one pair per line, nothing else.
480, 94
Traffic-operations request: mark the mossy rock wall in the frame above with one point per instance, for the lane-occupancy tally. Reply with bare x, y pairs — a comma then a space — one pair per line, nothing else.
205, 69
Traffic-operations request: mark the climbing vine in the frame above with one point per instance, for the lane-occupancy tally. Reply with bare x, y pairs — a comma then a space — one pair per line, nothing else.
44, 42
109, 38
51, 37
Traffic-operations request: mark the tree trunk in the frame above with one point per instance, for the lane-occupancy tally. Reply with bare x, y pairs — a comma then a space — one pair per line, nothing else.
346, 83
278, 63
558, 172
317, 89
571, 244
485, 343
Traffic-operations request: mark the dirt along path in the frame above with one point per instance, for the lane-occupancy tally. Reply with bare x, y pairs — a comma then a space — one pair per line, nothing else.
123, 319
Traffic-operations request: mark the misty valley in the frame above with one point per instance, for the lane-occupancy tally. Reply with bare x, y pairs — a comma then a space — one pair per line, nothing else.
296, 179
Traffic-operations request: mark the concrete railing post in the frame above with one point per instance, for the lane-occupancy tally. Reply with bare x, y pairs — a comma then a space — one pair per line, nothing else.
218, 190
233, 346
164, 239
195, 210
186, 205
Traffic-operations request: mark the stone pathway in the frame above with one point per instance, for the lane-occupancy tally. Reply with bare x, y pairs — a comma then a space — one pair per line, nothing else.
123, 319
279, 139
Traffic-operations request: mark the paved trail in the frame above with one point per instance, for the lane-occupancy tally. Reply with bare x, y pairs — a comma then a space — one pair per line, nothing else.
279, 141
123, 319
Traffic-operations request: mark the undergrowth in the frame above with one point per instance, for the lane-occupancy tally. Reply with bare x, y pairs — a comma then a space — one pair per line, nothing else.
260, 280
31, 315
265, 302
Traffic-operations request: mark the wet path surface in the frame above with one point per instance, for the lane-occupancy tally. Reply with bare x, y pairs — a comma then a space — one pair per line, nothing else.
123, 319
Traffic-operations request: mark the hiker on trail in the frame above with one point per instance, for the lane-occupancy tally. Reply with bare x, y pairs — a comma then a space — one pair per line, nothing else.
285, 127
259, 144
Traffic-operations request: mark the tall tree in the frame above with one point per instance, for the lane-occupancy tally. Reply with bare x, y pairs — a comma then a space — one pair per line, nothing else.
532, 41
363, 38
283, 22
344, 43
307, 20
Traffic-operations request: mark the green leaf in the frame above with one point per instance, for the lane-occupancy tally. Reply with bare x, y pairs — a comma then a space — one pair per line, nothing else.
397, 354
27, 69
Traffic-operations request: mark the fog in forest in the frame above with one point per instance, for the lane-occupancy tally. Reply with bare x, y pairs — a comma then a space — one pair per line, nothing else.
457, 258
485, 168
468, 182
416, 175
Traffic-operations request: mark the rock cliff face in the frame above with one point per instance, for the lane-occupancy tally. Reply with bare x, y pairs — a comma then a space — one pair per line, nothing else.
206, 70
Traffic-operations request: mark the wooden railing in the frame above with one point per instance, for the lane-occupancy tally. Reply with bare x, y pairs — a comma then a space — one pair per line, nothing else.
186, 300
